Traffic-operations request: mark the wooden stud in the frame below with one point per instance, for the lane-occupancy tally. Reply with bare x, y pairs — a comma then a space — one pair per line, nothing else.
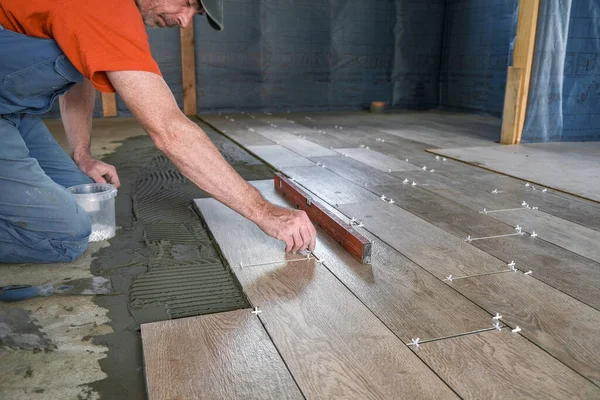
509, 116
109, 104
522, 58
188, 70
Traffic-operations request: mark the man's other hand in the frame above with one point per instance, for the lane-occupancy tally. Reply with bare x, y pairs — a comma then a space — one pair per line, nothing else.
99, 171
290, 226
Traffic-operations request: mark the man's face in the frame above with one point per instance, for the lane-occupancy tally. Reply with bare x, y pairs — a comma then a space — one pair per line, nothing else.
169, 13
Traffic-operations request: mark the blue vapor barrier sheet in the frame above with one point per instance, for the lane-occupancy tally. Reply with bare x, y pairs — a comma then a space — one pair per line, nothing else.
477, 43
564, 98
418, 35
320, 54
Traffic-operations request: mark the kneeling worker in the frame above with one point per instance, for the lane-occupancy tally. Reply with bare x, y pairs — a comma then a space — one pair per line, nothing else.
67, 49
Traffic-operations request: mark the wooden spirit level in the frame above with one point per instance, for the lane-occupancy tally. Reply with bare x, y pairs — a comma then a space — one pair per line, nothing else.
343, 233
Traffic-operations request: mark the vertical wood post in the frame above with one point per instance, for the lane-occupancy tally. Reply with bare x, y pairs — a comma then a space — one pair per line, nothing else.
109, 104
511, 99
188, 70
512, 127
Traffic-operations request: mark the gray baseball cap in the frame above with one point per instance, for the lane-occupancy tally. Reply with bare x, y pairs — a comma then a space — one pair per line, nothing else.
214, 13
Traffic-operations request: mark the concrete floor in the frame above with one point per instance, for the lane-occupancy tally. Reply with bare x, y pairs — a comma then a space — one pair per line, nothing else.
70, 322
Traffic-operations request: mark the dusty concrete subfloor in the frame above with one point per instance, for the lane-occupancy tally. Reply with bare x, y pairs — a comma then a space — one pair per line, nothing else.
98, 347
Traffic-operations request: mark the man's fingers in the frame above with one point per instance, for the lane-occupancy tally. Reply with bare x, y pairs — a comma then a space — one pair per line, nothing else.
306, 237
313, 234
113, 178
97, 177
297, 241
101, 172
289, 244
313, 240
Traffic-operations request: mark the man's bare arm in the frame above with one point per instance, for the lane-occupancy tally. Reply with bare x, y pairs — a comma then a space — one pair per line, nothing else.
76, 109
187, 146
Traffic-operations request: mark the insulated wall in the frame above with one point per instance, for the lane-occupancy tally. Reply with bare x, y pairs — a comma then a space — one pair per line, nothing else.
477, 42
564, 100
418, 34
320, 54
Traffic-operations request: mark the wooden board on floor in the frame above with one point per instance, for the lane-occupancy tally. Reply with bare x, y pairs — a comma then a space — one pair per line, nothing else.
552, 264
330, 141
433, 136
244, 252
287, 125
502, 364
329, 186
280, 157
570, 167
332, 344
219, 356
376, 160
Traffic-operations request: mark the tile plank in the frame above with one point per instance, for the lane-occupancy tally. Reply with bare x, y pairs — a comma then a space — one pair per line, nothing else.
333, 345
570, 167
562, 269
559, 324
307, 148
408, 299
376, 160
435, 250
502, 364
280, 157
574, 237
219, 356
357, 172
329, 186
555, 321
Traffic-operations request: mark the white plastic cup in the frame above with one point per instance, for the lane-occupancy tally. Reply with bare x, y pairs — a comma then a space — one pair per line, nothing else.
98, 200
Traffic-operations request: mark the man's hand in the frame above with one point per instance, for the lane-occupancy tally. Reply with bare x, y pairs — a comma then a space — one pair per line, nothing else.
290, 226
99, 171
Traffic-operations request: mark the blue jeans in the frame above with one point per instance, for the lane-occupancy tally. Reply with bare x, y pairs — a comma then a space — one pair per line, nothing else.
40, 221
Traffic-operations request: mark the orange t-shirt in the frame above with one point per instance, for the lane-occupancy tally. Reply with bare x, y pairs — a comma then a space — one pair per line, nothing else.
95, 35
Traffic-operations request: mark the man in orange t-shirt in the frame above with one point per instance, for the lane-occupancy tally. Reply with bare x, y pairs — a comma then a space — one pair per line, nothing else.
66, 49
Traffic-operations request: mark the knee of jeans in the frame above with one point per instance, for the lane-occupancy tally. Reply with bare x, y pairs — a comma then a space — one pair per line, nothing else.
74, 241
78, 226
